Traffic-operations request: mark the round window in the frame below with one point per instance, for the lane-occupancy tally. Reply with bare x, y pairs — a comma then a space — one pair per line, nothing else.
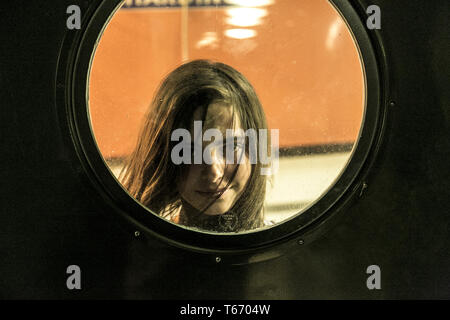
228, 124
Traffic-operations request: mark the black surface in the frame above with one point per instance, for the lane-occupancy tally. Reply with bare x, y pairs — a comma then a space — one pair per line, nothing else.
51, 216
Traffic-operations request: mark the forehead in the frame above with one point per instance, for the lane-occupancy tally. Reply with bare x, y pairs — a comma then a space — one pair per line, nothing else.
218, 116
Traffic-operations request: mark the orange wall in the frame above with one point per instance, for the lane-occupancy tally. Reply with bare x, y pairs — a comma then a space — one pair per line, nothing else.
303, 64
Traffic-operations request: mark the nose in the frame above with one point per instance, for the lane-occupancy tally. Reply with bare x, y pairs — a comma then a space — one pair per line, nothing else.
214, 172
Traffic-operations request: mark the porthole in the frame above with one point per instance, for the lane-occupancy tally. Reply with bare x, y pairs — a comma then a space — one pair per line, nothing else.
224, 126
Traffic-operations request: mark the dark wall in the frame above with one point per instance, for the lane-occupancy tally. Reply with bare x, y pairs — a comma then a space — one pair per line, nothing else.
51, 216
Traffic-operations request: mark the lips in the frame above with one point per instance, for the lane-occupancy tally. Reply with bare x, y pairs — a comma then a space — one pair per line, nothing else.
213, 192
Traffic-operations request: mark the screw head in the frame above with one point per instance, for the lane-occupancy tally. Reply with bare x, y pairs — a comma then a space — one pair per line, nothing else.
301, 241
363, 188
218, 259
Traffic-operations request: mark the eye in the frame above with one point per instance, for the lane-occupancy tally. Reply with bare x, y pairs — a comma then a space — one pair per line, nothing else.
239, 146
232, 145
236, 148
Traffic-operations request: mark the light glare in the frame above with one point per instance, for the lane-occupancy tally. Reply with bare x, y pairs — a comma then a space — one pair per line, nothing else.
240, 33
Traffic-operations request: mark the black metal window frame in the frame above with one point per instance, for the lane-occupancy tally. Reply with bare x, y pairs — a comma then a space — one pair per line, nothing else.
72, 101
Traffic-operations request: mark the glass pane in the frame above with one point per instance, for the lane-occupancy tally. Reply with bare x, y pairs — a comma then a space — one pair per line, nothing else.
303, 64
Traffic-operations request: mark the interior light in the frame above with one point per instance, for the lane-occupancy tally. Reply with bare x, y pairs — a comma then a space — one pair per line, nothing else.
245, 17
240, 33
250, 3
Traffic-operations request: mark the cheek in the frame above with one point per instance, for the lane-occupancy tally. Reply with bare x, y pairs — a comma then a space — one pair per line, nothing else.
187, 178
243, 175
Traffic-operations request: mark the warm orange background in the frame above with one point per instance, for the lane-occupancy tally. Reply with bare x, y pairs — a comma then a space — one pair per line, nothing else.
303, 64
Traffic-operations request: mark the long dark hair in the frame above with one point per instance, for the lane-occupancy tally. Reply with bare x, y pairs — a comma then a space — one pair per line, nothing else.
150, 176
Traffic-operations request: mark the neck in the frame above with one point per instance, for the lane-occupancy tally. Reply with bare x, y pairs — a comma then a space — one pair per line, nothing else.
191, 217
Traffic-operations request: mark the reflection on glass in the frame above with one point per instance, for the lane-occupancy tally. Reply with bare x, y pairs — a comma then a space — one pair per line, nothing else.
250, 3
245, 17
240, 33
307, 76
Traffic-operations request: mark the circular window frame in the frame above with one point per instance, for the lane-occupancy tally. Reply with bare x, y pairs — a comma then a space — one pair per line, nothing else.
72, 90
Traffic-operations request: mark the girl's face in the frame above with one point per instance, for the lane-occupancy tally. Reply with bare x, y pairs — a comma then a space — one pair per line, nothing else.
212, 186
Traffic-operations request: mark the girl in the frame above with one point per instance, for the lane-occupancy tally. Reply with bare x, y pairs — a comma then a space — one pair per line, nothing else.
216, 196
